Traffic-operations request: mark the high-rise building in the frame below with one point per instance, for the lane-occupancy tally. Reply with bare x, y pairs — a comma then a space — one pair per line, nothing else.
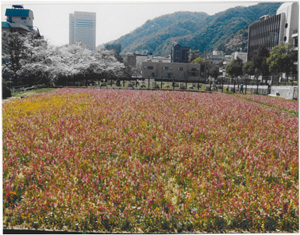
273, 30
82, 28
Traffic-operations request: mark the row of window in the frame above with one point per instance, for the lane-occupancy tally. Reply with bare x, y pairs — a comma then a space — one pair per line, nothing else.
170, 68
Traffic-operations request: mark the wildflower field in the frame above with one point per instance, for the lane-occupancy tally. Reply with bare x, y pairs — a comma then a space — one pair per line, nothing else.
281, 103
148, 161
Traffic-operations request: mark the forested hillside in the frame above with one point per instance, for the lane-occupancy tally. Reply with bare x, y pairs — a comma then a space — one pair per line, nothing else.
197, 30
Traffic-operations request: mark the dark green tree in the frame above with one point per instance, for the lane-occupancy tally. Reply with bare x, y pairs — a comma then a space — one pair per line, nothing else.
249, 68
214, 71
260, 60
235, 68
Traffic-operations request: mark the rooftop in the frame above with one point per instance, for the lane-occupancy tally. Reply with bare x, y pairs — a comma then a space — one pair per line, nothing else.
17, 12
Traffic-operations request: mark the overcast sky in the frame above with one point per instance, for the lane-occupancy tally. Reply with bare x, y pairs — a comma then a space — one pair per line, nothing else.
113, 19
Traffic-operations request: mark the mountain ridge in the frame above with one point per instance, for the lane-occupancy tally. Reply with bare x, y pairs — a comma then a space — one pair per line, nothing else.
197, 30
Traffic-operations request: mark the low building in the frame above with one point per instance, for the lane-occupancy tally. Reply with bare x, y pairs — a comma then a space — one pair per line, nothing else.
160, 59
135, 61
180, 72
215, 58
241, 55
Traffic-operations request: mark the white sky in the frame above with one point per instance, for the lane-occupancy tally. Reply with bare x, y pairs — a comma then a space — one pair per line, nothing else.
114, 18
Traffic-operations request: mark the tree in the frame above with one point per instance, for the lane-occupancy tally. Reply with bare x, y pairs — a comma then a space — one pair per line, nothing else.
235, 68
202, 61
259, 60
249, 68
36, 62
214, 71
13, 51
281, 59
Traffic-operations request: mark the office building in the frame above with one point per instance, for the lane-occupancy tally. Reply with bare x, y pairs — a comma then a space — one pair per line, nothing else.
273, 30
82, 28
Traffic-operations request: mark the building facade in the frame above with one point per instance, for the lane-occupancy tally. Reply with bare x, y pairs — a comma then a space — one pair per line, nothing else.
180, 54
19, 20
273, 30
180, 72
82, 28
241, 55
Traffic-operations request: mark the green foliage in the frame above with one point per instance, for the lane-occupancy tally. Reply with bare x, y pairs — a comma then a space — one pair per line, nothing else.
5, 91
281, 59
214, 71
199, 60
196, 30
235, 68
236, 42
260, 60
249, 68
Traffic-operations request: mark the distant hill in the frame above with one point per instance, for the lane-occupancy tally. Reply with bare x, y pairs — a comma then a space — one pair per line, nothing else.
197, 30
236, 42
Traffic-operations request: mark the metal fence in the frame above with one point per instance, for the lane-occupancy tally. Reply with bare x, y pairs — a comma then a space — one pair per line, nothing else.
228, 85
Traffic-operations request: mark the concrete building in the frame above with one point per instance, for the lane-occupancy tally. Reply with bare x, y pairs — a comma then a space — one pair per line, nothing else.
19, 20
160, 59
273, 30
241, 55
180, 54
82, 28
193, 54
216, 57
136, 59
179, 72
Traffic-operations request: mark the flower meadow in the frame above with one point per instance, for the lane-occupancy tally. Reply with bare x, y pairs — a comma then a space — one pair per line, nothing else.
148, 161
288, 105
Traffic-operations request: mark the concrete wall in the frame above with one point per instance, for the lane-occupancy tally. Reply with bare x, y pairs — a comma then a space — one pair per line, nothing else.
288, 92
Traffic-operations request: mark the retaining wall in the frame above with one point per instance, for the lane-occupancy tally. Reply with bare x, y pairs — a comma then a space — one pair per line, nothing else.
288, 92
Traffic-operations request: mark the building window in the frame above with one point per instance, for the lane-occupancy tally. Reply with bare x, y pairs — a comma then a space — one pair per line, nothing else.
153, 75
23, 18
170, 75
286, 25
296, 42
150, 67
180, 69
284, 39
195, 69
165, 68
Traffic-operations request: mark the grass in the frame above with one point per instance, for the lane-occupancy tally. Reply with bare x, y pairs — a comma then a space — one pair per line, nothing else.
32, 92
